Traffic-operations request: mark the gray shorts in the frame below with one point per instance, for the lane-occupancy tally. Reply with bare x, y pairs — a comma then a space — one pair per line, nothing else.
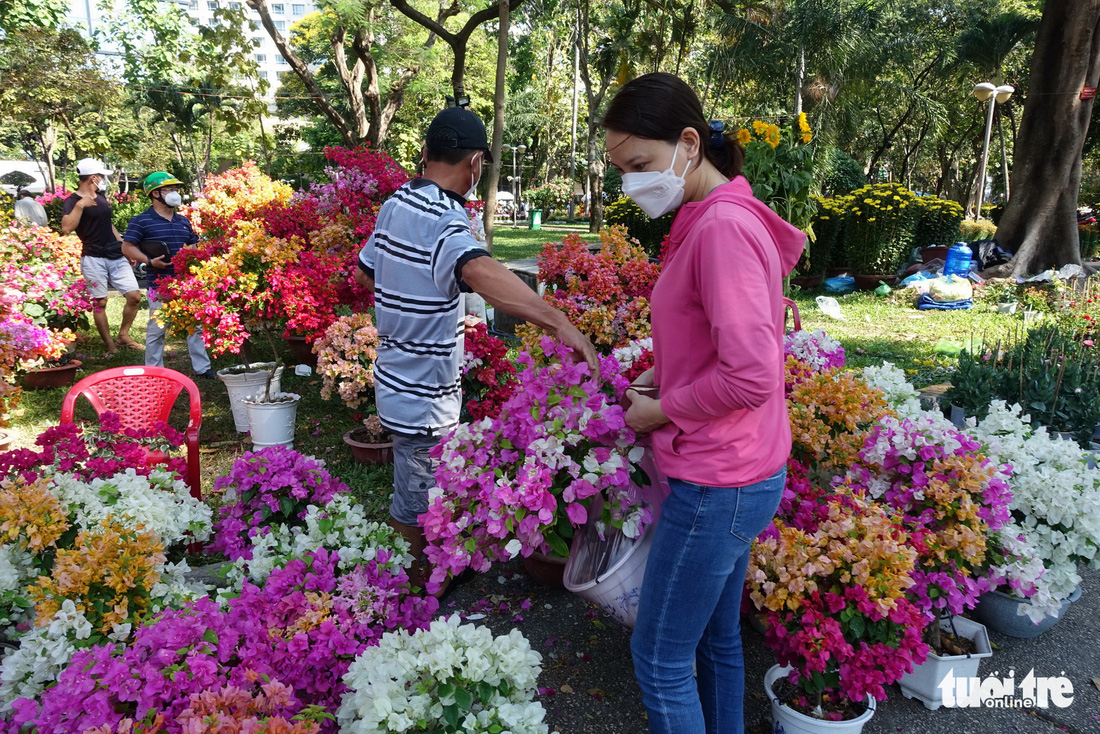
413, 476
100, 274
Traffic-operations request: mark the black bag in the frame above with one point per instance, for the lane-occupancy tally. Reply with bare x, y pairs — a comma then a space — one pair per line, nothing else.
111, 251
154, 249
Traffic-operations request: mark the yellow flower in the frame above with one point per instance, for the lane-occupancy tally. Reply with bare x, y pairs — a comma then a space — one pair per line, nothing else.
871, 219
772, 135
807, 137
744, 136
760, 128
803, 125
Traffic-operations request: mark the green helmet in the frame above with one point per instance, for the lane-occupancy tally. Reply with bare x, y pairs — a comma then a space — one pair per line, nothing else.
159, 180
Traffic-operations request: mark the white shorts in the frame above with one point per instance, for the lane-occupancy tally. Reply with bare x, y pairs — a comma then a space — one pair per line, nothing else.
101, 274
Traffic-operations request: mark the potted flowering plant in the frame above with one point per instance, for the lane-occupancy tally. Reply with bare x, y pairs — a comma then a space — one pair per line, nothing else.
449, 678
273, 485
604, 294
831, 415
951, 499
1054, 509
488, 378
831, 577
779, 162
878, 230
807, 353
519, 483
345, 359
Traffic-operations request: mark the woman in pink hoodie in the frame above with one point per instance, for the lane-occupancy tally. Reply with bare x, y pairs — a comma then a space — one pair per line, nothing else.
719, 426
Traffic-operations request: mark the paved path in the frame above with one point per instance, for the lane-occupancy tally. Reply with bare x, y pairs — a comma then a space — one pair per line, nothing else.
586, 663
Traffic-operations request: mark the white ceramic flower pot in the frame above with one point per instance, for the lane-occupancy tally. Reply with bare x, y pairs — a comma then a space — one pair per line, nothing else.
1002, 613
246, 384
272, 424
786, 720
923, 683
1006, 307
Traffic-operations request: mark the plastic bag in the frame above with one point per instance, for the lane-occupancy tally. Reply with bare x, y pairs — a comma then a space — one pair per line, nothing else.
950, 289
840, 284
830, 307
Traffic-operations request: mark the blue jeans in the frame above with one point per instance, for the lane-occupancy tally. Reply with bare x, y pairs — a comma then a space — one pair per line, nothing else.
691, 605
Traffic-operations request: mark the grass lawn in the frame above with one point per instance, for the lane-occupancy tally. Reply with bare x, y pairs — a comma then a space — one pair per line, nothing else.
517, 244
879, 329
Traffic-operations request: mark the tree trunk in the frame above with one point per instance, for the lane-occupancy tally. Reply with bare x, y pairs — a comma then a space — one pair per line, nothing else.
1040, 223
346, 131
595, 176
457, 41
498, 123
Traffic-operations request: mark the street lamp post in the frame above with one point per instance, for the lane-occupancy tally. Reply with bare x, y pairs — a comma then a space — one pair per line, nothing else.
515, 178
1001, 94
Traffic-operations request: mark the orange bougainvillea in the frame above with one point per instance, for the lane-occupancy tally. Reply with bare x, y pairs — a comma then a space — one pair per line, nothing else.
831, 415
604, 294
31, 515
108, 575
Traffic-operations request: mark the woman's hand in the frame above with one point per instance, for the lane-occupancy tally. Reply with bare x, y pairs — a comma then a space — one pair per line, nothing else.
645, 379
645, 414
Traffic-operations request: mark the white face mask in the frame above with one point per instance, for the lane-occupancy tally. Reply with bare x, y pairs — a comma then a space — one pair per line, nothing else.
173, 199
657, 192
102, 185
472, 193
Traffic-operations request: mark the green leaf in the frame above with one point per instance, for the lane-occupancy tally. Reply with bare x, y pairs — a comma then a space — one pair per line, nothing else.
247, 495
210, 636
286, 506
450, 715
557, 544
464, 699
445, 690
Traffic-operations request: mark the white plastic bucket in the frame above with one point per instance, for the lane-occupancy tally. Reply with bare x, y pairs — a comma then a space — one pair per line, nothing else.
242, 385
618, 588
272, 424
789, 721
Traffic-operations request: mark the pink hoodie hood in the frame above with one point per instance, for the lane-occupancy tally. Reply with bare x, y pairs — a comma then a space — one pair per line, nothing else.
789, 239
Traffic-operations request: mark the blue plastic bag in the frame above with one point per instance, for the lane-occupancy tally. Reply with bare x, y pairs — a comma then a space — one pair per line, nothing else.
840, 284
925, 303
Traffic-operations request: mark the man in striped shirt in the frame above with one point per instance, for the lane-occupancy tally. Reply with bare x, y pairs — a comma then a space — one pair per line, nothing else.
419, 261
162, 223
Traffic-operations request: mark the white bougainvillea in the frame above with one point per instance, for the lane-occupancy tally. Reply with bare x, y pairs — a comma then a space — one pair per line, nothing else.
452, 677
1055, 496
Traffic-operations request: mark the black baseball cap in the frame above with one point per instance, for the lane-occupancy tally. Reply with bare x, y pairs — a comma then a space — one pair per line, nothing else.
457, 127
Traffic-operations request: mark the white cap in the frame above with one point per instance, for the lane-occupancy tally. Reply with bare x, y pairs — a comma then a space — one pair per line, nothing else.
91, 167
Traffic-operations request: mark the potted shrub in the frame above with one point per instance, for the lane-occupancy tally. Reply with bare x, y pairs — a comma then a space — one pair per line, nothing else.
937, 227
370, 443
1055, 506
830, 577
951, 499
878, 231
519, 484
1003, 295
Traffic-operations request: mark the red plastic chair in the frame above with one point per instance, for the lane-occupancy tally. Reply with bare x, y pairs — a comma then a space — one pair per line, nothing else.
789, 304
142, 396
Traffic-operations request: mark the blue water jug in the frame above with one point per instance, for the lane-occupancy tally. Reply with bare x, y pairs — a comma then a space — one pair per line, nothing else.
958, 260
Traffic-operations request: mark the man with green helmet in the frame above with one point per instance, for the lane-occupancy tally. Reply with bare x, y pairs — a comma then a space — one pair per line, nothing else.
161, 227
